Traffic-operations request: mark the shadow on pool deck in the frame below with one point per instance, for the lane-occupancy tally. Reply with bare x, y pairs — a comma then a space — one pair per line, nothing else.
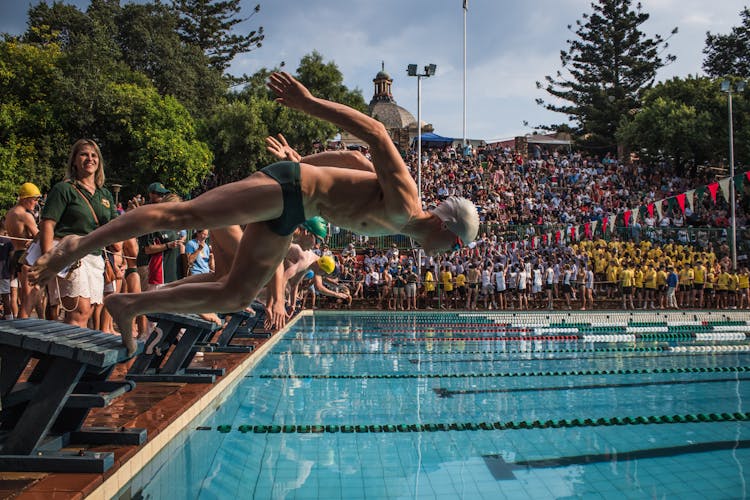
151, 405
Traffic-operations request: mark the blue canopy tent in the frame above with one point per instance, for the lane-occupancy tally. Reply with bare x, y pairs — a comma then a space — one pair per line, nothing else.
433, 140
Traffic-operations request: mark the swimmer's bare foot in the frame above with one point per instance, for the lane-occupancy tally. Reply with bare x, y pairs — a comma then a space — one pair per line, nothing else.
212, 317
116, 304
52, 262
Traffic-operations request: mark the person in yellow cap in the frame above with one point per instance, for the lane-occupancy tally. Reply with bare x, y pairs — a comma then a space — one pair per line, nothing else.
21, 225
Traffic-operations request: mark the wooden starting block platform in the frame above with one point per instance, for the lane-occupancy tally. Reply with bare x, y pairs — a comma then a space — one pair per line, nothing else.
43, 415
170, 349
247, 325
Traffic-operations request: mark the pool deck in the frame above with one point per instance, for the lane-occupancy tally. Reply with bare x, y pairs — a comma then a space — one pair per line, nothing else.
164, 409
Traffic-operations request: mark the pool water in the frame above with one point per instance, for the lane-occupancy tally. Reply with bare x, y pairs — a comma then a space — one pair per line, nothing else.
469, 406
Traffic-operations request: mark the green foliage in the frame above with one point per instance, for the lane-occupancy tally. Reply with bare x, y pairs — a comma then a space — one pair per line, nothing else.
150, 44
686, 121
236, 135
151, 138
609, 65
729, 54
31, 137
208, 24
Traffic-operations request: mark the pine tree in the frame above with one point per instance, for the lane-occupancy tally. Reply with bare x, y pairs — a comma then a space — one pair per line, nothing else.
609, 65
729, 54
209, 25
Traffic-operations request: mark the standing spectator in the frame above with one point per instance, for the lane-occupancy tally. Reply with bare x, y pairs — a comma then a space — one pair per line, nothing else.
21, 227
672, 280
199, 256
164, 249
78, 205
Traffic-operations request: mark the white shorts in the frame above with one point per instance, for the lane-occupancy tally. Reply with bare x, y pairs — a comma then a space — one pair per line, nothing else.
86, 281
411, 289
4, 286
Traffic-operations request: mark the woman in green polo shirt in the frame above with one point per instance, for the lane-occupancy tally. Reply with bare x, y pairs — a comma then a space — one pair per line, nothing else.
78, 205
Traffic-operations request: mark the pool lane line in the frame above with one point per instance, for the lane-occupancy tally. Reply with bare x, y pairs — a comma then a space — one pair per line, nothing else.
615, 337
655, 349
556, 373
560, 358
449, 393
502, 470
690, 418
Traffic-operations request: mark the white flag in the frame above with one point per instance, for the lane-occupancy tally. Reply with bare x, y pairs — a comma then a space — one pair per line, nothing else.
690, 195
724, 185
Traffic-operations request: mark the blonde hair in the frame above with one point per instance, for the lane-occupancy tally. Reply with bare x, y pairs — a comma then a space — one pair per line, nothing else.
72, 174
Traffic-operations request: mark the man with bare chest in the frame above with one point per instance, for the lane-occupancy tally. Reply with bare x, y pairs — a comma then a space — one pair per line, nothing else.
22, 227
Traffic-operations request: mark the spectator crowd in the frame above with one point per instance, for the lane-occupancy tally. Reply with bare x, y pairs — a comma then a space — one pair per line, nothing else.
502, 269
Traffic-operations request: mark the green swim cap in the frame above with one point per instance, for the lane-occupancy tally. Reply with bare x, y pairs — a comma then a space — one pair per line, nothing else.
318, 226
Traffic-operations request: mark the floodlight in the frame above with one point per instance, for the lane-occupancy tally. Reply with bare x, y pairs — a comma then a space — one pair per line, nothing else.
430, 69
411, 70
725, 85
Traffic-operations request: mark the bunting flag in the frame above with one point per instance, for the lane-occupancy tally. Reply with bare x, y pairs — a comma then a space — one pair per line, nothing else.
557, 237
724, 183
712, 188
626, 217
535, 242
690, 199
738, 179
593, 227
573, 232
681, 202
587, 229
549, 238
612, 221
658, 210
700, 193
604, 225
636, 213
650, 209
747, 174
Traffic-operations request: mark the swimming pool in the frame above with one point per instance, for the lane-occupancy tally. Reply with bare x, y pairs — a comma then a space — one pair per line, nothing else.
450, 405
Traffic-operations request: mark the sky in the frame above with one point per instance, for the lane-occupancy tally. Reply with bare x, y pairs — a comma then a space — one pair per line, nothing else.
510, 45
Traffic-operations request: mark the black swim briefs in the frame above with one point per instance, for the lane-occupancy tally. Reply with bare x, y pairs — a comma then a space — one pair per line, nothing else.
286, 173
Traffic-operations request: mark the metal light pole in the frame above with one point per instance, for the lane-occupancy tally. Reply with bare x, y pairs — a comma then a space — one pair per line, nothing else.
726, 86
429, 71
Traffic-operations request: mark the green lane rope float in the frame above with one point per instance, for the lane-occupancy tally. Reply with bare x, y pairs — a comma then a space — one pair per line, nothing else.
696, 418
633, 371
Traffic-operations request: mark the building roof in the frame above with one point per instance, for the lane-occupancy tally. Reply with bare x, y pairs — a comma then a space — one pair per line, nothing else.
391, 115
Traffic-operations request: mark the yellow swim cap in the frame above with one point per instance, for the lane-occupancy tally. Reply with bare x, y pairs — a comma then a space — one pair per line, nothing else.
326, 264
28, 190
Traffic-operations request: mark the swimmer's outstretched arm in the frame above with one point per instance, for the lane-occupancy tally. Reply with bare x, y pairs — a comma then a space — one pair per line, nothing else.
339, 159
393, 175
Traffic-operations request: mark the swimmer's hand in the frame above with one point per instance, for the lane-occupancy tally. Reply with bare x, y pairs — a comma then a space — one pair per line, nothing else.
281, 149
290, 92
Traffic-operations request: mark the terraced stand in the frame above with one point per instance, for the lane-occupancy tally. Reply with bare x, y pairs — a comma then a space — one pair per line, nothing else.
170, 349
44, 414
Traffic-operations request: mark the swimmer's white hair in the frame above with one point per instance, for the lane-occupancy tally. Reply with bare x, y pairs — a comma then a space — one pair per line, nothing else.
461, 217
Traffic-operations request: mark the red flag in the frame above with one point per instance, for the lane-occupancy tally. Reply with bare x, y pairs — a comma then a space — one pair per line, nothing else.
626, 217
747, 174
573, 233
544, 239
557, 237
604, 225
650, 209
587, 230
713, 188
681, 201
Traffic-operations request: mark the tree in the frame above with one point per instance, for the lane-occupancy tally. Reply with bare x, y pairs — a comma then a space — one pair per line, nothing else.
146, 137
729, 54
32, 140
610, 64
150, 44
208, 25
684, 120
